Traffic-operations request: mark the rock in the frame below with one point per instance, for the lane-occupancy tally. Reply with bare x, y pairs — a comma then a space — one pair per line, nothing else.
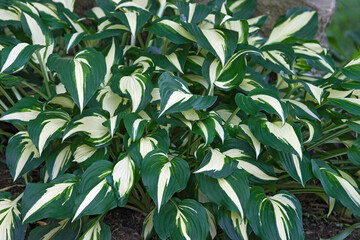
275, 8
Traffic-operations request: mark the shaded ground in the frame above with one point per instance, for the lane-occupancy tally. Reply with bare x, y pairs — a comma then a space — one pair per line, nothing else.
127, 224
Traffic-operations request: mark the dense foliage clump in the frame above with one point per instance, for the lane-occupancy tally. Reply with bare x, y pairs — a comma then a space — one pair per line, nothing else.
175, 109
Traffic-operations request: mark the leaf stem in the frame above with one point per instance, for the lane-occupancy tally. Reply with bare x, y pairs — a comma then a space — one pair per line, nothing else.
35, 90
3, 91
232, 116
329, 129
337, 154
45, 73
329, 137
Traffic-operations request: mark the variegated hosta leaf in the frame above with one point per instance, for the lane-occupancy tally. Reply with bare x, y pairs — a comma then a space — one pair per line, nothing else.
303, 110
351, 105
71, 40
57, 229
233, 225
283, 137
239, 26
172, 30
95, 193
110, 101
73, 20
65, 101
113, 56
11, 226
69, 4
47, 126
54, 199
184, 220
90, 124
338, 186
242, 9
23, 111
163, 176
9, 14
220, 42
137, 87
13, 58
231, 192
316, 92
172, 62
134, 20
176, 96
148, 226
86, 155
313, 53
354, 152
216, 164
139, 149
81, 75
9, 80
59, 161
95, 229
123, 176
39, 33
299, 23
193, 12
262, 99
231, 74
259, 171
251, 138
278, 57
275, 217
135, 125
352, 69
206, 129
298, 168
21, 154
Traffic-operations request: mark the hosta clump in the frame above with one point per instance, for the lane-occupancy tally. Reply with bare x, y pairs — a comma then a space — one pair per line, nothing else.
175, 109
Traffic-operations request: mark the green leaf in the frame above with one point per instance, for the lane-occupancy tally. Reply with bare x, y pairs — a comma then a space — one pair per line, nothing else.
148, 226
184, 220
282, 137
303, 109
86, 155
135, 125
230, 75
277, 57
11, 226
299, 23
133, 20
354, 152
176, 96
43, 200
96, 195
23, 111
338, 187
14, 58
193, 12
233, 225
275, 217
242, 9
351, 105
231, 192
81, 75
95, 229
137, 87
9, 80
59, 161
216, 164
21, 155
220, 42
39, 33
73, 39
172, 30
57, 230
163, 176
245, 130
298, 168
47, 126
343, 235
90, 124
352, 69
262, 99
123, 177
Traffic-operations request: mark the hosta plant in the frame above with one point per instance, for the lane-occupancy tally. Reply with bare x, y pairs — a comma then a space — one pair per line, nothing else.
181, 111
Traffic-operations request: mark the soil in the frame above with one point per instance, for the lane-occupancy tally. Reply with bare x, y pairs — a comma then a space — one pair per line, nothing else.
127, 224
